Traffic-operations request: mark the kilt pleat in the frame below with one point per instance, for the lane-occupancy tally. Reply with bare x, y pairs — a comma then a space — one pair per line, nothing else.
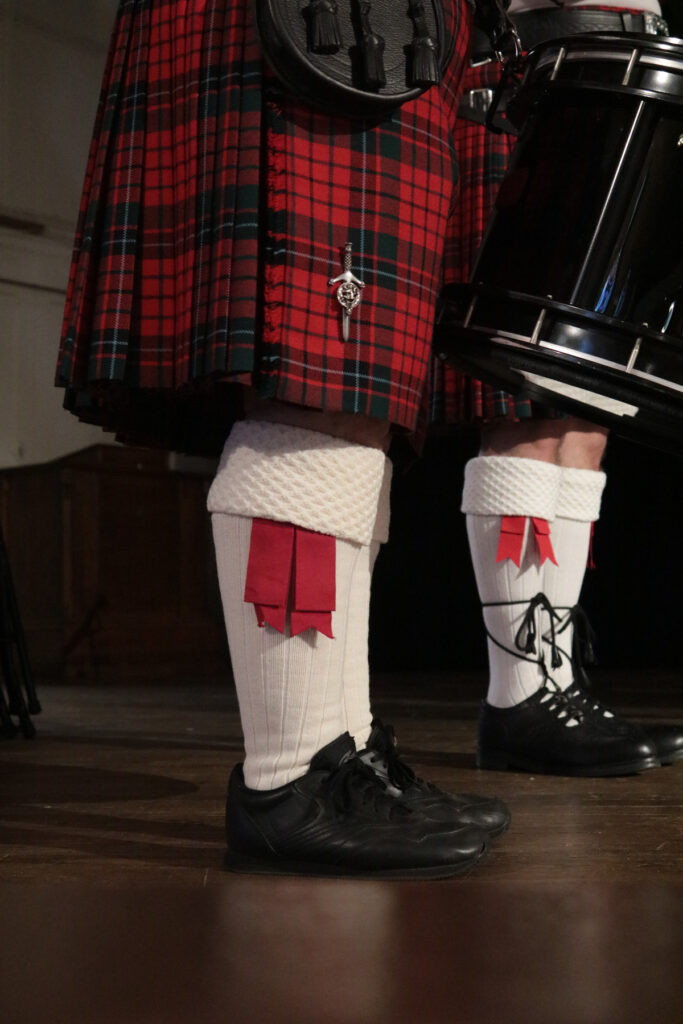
162, 293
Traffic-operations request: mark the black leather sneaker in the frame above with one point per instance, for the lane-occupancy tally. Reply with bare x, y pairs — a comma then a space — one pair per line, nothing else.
382, 755
339, 820
554, 734
665, 737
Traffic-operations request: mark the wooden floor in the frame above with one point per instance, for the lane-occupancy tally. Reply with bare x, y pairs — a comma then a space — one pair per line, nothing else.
114, 908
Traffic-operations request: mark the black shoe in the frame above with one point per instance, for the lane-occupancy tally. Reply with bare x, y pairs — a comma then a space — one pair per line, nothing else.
666, 738
338, 820
537, 736
382, 755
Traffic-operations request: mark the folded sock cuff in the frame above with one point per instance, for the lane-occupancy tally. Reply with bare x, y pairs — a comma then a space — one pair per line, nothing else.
288, 474
505, 486
580, 494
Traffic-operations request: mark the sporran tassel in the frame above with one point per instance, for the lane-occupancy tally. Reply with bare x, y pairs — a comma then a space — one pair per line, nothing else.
372, 52
424, 65
324, 33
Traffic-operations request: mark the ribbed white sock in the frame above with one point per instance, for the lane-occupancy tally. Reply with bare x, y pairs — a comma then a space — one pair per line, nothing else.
578, 507
296, 694
497, 486
356, 668
290, 689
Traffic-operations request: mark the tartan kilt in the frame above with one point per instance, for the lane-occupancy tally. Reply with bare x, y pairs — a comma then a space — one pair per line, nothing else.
483, 157
214, 213
456, 398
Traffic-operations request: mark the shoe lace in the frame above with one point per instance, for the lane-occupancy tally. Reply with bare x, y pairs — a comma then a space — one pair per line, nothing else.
352, 784
563, 703
399, 774
583, 653
583, 642
526, 637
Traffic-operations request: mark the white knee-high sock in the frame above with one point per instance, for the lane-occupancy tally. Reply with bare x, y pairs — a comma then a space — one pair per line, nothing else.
291, 688
356, 668
517, 495
578, 507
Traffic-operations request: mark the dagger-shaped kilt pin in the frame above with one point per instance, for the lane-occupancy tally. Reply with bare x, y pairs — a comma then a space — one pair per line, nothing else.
348, 292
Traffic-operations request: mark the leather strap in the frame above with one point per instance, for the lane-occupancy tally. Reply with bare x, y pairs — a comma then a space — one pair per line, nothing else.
538, 26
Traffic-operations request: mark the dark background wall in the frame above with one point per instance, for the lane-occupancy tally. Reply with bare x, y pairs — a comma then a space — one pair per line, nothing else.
426, 611
673, 12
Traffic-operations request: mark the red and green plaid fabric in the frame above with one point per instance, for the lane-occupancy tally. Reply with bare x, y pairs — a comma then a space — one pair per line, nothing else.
214, 213
482, 157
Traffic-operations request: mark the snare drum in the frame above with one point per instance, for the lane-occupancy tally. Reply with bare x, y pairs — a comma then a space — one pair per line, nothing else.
576, 298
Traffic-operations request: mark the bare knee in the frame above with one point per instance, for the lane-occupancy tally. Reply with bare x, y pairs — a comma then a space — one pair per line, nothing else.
525, 439
582, 444
353, 427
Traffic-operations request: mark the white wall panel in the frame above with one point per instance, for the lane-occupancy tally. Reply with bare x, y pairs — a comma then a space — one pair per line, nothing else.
52, 54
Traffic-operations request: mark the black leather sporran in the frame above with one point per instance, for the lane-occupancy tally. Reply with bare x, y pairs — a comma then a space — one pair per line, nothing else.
354, 58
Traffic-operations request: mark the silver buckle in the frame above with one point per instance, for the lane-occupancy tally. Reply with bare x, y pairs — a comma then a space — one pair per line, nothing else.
478, 99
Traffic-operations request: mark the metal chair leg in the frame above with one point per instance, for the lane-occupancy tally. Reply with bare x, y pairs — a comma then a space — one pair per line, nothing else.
19, 698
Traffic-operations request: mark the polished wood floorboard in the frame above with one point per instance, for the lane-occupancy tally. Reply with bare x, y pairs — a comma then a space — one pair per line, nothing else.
115, 909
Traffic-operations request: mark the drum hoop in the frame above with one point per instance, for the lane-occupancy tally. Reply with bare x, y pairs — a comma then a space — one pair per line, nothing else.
527, 342
477, 290
656, 422
623, 42
610, 55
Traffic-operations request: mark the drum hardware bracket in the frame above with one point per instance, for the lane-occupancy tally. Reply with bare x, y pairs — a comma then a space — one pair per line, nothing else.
634, 355
508, 85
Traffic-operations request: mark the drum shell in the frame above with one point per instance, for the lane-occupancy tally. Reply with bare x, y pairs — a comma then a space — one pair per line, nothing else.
582, 262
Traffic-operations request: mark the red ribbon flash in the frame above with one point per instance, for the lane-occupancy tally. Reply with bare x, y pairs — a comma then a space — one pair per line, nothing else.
291, 568
511, 539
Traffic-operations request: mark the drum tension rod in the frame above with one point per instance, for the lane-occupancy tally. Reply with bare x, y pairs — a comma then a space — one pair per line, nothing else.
534, 339
558, 63
470, 310
634, 355
631, 64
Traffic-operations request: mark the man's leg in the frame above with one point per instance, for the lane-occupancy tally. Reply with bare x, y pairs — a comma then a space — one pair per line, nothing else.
523, 544
579, 455
295, 512
290, 683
